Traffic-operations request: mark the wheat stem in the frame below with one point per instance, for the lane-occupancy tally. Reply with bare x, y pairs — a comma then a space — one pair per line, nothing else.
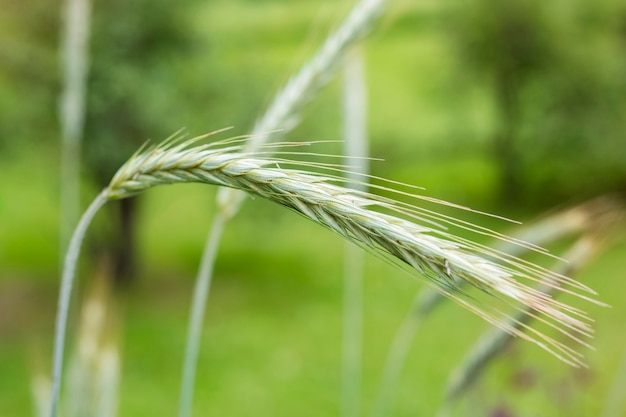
355, 132
65, 293
74, 60
198, 307
394, 362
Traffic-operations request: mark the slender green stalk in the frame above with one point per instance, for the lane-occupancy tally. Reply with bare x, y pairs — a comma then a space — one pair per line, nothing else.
394, 362
198, 307
281, 116
67, 282
355, 132
74, 61
351, 358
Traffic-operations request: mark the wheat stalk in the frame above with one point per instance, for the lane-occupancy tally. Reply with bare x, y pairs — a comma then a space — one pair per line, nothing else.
74, 60
356, 150
67, 281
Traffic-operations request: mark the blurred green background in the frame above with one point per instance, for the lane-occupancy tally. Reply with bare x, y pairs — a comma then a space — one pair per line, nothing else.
513, 107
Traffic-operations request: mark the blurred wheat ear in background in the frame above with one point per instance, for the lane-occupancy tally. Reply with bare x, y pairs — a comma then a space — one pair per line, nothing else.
93, 377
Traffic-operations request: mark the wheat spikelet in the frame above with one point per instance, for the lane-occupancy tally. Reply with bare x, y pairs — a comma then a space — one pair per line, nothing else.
444, 259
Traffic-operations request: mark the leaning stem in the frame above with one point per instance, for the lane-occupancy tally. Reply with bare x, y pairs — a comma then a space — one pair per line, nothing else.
352, 331
356, 150
67, 282
196, 315
395, 360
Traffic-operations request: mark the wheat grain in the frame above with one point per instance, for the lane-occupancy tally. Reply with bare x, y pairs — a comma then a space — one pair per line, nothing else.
442, 258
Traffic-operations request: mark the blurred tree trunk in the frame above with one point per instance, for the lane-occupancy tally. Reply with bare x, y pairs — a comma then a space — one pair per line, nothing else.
133, 84
125, 251
505, 142
510, 42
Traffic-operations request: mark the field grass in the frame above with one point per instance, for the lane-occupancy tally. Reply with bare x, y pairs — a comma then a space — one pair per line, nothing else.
272, 337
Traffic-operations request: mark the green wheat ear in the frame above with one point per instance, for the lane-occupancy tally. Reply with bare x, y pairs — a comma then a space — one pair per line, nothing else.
362, 218
381, 225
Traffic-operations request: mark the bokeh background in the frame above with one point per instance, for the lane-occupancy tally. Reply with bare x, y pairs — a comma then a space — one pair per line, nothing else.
513, 107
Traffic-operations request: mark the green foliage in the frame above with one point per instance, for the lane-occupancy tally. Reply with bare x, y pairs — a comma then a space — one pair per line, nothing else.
28, 72
575, 112
558, 77
132, 82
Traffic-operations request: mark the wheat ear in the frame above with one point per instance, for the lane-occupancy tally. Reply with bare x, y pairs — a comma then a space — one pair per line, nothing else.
443, 258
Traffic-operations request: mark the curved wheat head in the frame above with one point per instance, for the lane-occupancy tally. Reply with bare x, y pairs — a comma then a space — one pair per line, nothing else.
389, 228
